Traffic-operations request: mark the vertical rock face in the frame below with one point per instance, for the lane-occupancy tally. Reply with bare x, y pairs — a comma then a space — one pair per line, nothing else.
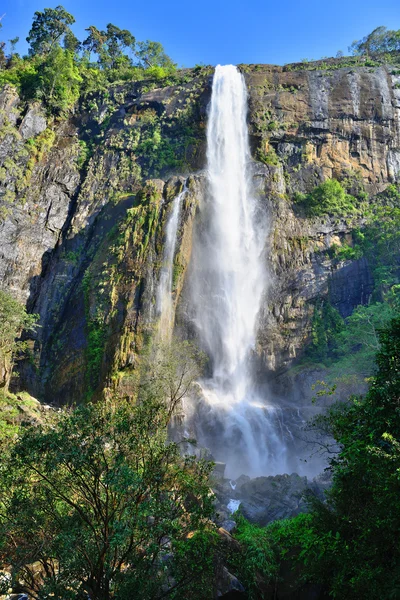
84, 203
325, 123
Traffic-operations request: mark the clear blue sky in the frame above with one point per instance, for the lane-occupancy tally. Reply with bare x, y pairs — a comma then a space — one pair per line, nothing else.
222, 31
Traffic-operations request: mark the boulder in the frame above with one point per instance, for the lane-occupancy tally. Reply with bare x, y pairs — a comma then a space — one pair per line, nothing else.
228, 583
229, 525
33, 123
266, 499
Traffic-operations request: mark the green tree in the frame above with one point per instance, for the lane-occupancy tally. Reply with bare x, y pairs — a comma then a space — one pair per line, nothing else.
379, 40
350, 544
13, 321
326, 324
2, 46
71, 42
152, 54
327, 198
58, 84
48, 29
13, 43
98, 498
109, 45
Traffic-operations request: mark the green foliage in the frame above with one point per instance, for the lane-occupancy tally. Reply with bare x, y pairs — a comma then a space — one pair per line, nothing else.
255, 564
156, 151
15, 411
268, 157
152, 54
59, 68
96, 337
352, 543
345, 252
59, 80
97, 499
380, 40
84, 154
13, 321
109, 45
47, 30
326, 324
348, 347
327, 198
380, 242
352, 350
194, 564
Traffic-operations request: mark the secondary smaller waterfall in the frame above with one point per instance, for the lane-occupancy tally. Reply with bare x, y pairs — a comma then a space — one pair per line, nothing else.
164, 303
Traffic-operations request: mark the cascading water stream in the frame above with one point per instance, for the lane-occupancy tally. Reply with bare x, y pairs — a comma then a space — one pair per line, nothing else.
228, 280
164, 304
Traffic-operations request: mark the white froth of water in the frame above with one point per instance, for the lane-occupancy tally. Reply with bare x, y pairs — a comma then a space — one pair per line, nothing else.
233, 506
228, 281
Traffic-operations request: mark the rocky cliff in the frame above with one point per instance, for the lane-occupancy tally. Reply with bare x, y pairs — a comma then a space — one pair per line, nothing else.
84, 201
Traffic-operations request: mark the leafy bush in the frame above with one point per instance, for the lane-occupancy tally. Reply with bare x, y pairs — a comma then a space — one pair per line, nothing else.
327, 198
268, 157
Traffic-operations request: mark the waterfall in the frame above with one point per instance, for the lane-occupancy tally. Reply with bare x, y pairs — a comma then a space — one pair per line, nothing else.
164, 303
228, 282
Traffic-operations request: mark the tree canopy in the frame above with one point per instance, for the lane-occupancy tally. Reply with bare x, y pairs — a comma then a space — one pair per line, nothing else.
48, 29
379, 40
94, 501
350, 543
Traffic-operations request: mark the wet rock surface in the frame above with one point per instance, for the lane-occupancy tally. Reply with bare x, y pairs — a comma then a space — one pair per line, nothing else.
265, 499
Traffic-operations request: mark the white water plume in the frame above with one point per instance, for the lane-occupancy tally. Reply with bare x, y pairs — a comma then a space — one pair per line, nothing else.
228, 281
164, 300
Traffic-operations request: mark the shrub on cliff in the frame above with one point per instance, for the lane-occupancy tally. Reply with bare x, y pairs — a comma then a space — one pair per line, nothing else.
327, 198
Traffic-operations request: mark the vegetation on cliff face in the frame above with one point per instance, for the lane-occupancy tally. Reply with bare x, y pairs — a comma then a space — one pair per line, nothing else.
346, 347
14, 319
327, 198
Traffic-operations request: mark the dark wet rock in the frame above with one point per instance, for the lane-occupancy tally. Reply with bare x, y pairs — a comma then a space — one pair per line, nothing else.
229, 525
228, 583
266, 499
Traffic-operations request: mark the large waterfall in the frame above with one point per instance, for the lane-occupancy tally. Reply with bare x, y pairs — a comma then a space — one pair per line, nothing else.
228, 282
